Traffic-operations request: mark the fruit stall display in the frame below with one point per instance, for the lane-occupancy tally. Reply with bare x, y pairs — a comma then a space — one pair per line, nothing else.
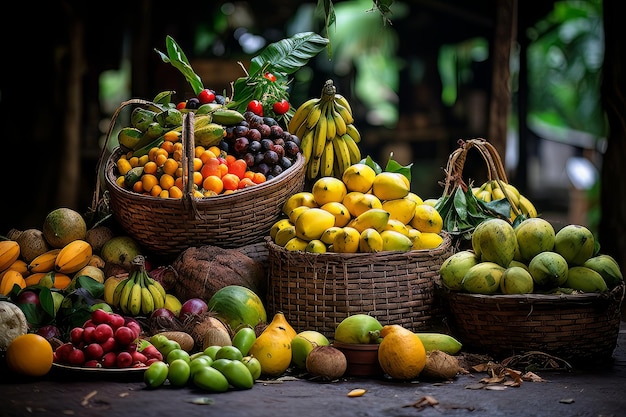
105, 294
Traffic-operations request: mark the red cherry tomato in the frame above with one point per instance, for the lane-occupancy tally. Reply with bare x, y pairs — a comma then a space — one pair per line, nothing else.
255, 107
181, 105
281, 107
206, 96
270, 76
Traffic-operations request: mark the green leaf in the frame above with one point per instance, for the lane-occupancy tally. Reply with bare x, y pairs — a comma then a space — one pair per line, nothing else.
178, 59
288, 55
394, 166
460, 204
372, 164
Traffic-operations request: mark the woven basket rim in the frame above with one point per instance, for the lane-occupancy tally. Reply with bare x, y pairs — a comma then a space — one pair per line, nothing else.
239, 194
534, 298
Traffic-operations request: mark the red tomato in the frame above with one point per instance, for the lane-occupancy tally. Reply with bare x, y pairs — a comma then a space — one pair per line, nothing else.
206, 96
281, 107
270, 76
238, 167
255, 107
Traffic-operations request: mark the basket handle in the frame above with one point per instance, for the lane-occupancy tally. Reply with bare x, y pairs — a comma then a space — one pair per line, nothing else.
187, 157
456, 162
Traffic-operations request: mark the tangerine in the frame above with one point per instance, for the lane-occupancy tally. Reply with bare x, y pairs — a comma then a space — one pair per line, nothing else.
30, 354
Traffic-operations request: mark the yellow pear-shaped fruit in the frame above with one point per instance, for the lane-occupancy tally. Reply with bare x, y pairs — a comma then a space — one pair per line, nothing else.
312, 223
359, 177
401, 209
427, 219
390, 185
329, 234
316, 246
427, 240
278, 225
296, 244
358, 203
341, 213
393, 241
412, 196
296, 212
370, 241
273, 346
327, 189
373, 218
303, 198
347, 240
401, 353
398, 226
284, 235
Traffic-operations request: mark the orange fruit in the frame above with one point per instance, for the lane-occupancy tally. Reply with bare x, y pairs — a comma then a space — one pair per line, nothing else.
259, 178
211, 167
150, 168
427, 219
170, 166
149, 181
166, 181
175, 192
245, 182
30, 354
213, 183
197, 164
231, 181
168, 146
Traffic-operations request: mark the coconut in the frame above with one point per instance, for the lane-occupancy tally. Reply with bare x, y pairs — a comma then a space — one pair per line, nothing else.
98, 236
440, 366
207, 330
326, 362
32, 243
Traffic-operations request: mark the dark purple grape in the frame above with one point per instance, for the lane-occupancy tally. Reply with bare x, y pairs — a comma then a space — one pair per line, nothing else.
285, 162
263, 168
192, 103
220, 99
254, 146
294, 139
265, 130
254, 134
270, 121
258, 158
276, 131
240, 130
291, 148
270, 157
249, 158
280, 151
266, 144
276, 170
241, 145
229, 132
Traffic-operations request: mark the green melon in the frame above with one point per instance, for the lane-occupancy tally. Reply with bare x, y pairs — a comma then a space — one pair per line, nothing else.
237, 305
62, 226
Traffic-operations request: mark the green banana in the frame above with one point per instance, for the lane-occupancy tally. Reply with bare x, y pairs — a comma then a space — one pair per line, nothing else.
125, 295
147, 301
227, 117
134, 298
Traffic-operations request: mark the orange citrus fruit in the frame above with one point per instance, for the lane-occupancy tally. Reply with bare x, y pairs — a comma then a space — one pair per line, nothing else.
30, 354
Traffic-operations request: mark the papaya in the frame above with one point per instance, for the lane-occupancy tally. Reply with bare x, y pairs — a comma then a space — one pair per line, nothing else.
483, 278
606, 266
585, 279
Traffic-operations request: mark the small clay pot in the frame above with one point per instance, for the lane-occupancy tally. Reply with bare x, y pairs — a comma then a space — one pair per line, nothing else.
362, 359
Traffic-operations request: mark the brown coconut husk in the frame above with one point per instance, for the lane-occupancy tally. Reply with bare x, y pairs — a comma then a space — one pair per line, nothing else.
440, 366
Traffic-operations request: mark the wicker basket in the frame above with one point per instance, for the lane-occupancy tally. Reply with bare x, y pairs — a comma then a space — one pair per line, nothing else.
577, 328
318, 291
166, 226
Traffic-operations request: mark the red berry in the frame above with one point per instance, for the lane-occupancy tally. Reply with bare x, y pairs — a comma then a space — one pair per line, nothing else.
76, 335
100, 316
281, 107
181, 105
103, 332
109, 360
255, 107
206, 96
93, 351
270, 76
76, 357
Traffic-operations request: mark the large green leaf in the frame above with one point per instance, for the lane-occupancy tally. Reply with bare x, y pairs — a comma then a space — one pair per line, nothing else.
288, 55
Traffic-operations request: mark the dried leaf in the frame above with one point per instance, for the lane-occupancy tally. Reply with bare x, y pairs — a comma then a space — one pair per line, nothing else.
567, 401
496, 387
425, 401
532, 377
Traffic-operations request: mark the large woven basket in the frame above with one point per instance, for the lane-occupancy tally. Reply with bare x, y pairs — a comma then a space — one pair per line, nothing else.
317, 291
577, 328
166, 226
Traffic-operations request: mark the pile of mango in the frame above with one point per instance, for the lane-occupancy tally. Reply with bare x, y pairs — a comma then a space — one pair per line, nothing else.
530, 258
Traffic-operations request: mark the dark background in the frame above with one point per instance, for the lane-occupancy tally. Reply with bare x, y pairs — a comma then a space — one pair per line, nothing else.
53, 123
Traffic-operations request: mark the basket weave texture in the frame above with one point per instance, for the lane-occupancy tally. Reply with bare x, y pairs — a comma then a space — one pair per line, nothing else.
167, 226
577, 327
317, 291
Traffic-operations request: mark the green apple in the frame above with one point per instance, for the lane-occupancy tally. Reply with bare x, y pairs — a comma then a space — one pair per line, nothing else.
303, 343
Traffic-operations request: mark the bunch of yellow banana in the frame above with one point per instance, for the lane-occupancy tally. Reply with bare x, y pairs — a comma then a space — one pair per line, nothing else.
492, 190
328, 138
138, 293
